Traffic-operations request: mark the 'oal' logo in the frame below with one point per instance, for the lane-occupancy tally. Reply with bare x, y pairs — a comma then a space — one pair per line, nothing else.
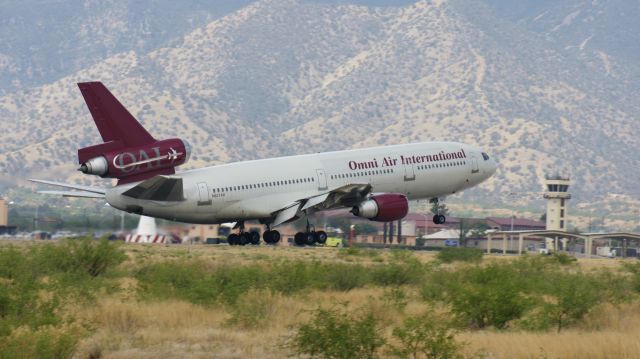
143, 158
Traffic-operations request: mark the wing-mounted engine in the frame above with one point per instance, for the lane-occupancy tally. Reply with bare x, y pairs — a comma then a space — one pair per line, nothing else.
383, 207
130, 164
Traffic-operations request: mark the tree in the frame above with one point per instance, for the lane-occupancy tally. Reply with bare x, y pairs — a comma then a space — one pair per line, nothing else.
470, 229
571, 298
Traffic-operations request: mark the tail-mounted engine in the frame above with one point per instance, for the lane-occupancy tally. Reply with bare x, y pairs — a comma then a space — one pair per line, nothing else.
383, 208
129, 164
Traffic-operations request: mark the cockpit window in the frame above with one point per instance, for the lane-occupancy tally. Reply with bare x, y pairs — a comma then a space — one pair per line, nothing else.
485, 156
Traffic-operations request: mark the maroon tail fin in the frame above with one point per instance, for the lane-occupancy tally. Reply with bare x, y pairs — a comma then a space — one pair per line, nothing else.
113, 120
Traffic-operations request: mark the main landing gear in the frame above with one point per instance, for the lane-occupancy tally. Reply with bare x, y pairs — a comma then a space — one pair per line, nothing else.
243, 238
310, 237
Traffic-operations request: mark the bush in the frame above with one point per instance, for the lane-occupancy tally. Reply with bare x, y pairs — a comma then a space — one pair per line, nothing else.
567, 300
337, 334
564, 259
488, 296
254, 309
45, 343
83, 256
402, 269
460, 254
425, 335
396, 297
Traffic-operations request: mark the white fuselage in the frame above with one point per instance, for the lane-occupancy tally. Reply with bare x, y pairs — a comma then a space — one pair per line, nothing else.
258, 189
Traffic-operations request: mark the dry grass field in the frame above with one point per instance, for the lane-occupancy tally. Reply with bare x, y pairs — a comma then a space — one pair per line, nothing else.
119, 322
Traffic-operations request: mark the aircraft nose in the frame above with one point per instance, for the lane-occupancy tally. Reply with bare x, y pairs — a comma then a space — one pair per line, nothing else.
493, 166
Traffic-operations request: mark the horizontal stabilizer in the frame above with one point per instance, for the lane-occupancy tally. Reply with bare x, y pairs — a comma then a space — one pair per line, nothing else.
158, 188
80, 194
72, 186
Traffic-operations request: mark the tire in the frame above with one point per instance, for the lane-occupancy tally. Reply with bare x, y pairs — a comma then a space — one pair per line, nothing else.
233, 239
442, 219
254, 238
310, 238
275, 237
436, 219
299, 239
321, 237
244, 239
267, 237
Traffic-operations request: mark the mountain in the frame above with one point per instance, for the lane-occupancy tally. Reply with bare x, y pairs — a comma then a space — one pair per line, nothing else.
281, 77
43, 40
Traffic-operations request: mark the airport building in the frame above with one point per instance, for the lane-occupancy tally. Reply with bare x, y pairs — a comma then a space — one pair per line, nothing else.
557, 196
5, 228
4, 212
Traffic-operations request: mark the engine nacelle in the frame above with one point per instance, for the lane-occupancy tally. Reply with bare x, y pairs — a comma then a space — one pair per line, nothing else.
383, 208
133, 161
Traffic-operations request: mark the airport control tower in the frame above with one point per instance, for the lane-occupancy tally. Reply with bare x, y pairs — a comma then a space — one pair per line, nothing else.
557, 196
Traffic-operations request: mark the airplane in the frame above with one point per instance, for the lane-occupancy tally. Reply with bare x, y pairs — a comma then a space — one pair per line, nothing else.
375, 183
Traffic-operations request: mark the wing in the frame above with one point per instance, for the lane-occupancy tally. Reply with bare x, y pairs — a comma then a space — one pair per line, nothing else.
345, 196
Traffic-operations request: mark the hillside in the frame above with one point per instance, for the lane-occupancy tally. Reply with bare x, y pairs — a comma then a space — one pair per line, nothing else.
281, 77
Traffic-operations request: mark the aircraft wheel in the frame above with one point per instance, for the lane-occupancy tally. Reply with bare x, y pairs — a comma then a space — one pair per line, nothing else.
244, 239
441, 219
275, 237
233, 239
299, 239
267, 236
254, 238
310, 238
321, 237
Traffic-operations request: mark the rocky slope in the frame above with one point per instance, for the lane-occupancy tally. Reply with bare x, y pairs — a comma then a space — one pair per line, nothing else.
281, 77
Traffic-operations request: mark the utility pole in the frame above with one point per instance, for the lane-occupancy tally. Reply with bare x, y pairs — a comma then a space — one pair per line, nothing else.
513, 216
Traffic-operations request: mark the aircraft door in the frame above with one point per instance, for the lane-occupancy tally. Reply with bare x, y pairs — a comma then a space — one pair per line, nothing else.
409, 172
322, 179
474, 164
203, 194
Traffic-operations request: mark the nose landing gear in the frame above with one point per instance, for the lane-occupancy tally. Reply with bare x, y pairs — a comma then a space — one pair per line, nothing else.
437, 218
